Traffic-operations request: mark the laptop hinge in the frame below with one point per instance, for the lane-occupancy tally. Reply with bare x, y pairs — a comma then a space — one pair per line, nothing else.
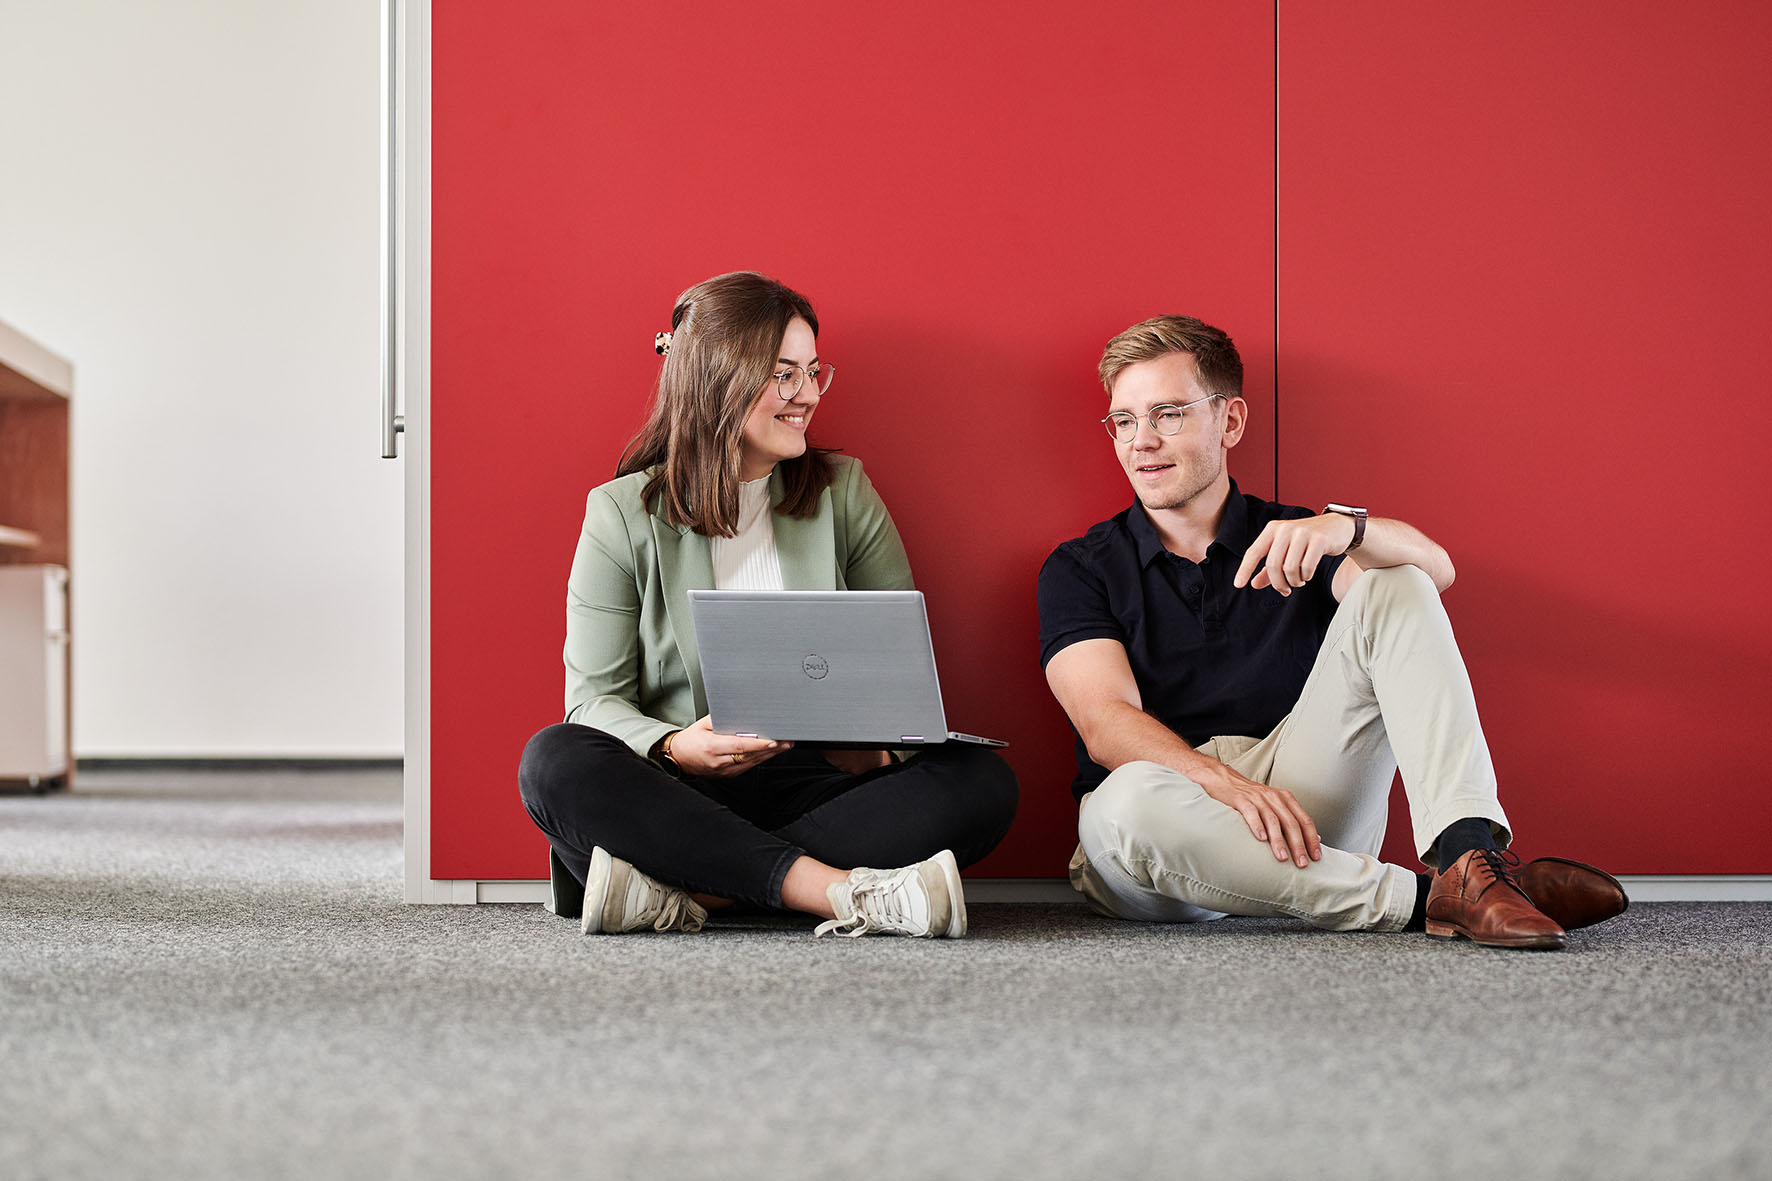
910, 738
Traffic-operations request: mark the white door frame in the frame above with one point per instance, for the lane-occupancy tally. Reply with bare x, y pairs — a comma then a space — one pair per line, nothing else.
407, 64
406, 61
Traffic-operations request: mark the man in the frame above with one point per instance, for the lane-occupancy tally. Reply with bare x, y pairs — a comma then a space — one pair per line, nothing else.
1239, 674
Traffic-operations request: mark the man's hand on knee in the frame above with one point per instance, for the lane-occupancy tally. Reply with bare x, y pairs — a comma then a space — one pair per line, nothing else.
1273, 815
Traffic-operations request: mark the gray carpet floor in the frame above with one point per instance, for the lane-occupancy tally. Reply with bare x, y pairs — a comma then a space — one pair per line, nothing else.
212, 975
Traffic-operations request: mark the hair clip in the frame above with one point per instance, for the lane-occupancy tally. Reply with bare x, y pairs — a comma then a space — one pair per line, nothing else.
662, 343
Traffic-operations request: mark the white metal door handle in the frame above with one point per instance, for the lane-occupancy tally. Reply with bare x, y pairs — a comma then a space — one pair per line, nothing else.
392, 423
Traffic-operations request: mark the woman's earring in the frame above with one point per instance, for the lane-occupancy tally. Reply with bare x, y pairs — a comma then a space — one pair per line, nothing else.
662, 343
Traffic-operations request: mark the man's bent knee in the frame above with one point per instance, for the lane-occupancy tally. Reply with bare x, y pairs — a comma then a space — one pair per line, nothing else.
1127, 827
1395, 586
1136, 800
1135, 816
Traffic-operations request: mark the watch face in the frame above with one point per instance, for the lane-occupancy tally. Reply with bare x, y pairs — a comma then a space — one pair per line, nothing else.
1346, 510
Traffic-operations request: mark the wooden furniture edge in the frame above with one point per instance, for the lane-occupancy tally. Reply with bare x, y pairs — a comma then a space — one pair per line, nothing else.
28, 370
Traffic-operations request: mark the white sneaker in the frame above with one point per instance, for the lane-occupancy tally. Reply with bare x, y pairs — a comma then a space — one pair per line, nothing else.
922, 900
620, 898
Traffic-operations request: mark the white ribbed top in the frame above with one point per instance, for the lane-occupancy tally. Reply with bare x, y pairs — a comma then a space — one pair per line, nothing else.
747, 560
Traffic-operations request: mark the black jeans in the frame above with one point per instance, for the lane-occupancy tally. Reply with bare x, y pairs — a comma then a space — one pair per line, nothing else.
736, 838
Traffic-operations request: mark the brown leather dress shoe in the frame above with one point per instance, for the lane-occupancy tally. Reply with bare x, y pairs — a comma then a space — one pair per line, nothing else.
1572, 894
1479, 899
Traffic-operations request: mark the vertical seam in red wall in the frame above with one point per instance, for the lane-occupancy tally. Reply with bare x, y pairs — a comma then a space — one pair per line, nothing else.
1276, 325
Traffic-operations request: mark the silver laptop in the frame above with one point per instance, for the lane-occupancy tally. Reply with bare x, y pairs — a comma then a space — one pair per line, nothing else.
824, 668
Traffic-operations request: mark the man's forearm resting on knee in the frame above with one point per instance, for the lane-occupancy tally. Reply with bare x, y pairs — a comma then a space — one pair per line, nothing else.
1094, 683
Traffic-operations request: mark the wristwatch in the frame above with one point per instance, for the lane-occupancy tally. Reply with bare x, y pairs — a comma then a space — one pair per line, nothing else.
1359, 516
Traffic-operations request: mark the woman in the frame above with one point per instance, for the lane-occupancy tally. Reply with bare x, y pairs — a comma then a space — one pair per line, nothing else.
654, 817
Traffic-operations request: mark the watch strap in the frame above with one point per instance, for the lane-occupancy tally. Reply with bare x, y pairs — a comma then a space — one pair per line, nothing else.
1359, 516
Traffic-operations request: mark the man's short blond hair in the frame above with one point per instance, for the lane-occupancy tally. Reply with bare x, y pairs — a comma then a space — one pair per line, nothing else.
1216, 361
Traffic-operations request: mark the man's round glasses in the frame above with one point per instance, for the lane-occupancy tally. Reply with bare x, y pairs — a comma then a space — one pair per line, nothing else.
1167, 419
789, 380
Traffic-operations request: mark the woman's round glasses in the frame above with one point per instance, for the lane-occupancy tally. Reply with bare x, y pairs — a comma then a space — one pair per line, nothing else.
1166, 419
789, 380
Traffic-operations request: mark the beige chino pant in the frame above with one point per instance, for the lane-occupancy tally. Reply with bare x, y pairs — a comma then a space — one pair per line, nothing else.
1155, 847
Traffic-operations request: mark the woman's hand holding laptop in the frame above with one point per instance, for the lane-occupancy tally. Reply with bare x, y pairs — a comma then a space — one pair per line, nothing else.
703, 752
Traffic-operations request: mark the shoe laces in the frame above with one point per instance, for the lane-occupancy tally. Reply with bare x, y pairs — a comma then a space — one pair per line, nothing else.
1502, 867
667, 908
882, 901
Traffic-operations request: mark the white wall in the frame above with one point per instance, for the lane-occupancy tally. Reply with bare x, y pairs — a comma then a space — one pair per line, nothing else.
189, 213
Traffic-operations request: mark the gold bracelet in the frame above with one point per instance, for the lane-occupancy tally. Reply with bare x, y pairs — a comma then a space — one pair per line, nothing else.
664, 748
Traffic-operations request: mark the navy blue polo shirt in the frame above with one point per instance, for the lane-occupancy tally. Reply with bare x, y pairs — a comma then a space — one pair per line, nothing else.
1209, 658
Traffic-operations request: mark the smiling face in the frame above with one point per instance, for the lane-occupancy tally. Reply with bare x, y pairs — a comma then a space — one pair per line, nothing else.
776, 430
1171, 471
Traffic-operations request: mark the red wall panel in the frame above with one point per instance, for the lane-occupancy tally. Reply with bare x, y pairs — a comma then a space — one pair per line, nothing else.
974, 196
1523, 287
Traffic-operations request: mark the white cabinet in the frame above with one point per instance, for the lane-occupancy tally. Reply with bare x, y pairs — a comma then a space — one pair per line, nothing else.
35, 385
33, 672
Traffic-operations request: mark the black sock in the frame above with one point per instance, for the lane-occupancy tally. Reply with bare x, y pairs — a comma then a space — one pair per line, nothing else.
1418, 916
1460, 837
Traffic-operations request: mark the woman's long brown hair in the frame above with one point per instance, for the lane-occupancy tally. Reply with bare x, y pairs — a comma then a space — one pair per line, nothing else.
726, 340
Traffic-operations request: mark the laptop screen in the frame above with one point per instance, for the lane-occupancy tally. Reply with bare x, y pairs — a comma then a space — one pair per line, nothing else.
819, 666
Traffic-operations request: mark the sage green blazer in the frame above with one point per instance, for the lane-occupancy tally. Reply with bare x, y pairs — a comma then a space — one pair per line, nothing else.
632, 668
